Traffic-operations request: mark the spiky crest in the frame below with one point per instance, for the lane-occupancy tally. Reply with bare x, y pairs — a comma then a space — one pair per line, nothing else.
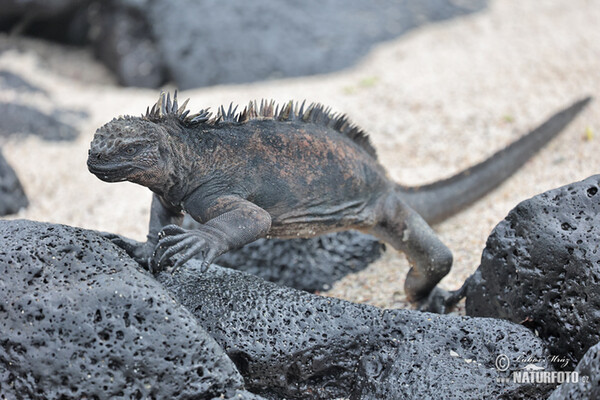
164, 109
315, 113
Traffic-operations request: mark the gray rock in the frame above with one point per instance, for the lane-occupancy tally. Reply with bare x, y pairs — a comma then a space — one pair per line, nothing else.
24, 120
12, 195
32, 9
292, 344
123, 40
55, 20
241, 395
63, 21
200, 43
587, 386
214, 42
79, 319
12, 81
541, 268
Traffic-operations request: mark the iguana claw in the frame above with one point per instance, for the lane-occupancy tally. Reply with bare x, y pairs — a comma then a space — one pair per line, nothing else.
139, 251
176, 241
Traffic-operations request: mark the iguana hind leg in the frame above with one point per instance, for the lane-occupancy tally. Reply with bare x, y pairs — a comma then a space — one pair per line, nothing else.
403, 228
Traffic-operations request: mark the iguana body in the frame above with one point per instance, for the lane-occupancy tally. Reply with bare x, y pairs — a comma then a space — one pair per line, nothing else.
290, 173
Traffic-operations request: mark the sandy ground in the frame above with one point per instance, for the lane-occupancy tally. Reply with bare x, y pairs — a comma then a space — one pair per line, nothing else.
435, 101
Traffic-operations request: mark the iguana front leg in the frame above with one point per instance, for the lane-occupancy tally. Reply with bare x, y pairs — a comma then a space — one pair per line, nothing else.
142, 252
229, 222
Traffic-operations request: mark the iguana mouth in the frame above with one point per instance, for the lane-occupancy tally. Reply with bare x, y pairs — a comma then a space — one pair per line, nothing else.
112, 172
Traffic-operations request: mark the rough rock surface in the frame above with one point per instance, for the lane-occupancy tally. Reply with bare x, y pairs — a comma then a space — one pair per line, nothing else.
241, 395
588, 385
12, 195
308, 264
79, 319
23, 120
292, 344
541, 268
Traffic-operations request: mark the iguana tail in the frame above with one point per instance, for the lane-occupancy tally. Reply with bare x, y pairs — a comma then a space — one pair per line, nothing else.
439, 200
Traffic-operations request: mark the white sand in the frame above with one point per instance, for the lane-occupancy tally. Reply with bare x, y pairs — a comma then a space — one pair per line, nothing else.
435, 101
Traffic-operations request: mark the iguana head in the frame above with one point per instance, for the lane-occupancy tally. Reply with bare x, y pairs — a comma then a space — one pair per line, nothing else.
127, 149
144, 149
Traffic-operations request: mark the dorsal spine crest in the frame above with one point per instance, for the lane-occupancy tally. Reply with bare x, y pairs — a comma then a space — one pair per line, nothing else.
315, 113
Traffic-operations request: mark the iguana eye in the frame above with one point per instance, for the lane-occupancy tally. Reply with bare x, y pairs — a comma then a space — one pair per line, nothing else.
130, 151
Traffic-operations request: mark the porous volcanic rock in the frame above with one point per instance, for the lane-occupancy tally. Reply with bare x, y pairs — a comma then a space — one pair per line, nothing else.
541, 268
12, 195
79, 319
241, 395
588, 382
291, 344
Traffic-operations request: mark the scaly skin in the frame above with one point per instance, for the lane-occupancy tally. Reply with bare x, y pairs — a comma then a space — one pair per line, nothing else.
265, 173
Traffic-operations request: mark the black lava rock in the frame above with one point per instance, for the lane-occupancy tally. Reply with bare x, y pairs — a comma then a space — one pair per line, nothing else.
12, 195
292, 344
541, 268
587, 386
79, 319
23, 120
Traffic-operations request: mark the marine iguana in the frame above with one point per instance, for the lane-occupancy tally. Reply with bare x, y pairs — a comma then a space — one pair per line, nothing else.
286, 172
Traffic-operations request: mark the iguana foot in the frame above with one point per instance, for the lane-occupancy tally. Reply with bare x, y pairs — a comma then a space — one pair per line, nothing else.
139, 251
440, 301
436, 302
176, 241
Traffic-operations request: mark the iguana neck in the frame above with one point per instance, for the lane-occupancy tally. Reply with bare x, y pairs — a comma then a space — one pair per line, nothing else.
180, 162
